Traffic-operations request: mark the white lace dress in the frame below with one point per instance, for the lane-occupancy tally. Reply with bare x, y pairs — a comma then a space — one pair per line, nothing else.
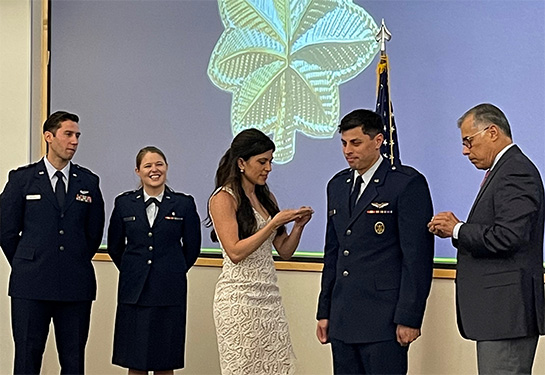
251, 326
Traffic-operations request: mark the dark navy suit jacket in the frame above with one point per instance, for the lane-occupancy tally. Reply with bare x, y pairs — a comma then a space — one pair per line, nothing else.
499, 279
378, 262
153, 261
49, 249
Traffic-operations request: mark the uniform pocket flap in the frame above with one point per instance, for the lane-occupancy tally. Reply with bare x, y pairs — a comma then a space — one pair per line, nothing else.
386, 282
25, 252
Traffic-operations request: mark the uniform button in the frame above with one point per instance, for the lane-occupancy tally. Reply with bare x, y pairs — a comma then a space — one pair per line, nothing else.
150, 234
61, 248
345, 273
346, 253
348, 232
150, 248
149, 261
61, 232
62, 215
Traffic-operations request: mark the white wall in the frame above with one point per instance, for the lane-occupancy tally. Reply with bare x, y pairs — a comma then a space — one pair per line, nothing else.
14, 128
14, 84
440, 350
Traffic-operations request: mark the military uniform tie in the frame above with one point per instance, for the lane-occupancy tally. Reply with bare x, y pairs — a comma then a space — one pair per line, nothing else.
60, 189
152, 200
152, 212
355, 193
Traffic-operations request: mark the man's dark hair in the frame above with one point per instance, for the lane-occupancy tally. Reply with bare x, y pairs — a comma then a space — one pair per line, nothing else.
485, 114
53, 122
369, 121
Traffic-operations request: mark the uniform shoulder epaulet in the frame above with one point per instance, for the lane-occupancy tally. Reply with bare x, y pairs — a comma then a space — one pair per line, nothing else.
405, 169
171, 191
23, 167
83, 169
344, 172
125, 193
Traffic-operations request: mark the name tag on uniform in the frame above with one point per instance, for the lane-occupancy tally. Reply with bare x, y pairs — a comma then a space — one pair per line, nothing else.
129, 218
33, 197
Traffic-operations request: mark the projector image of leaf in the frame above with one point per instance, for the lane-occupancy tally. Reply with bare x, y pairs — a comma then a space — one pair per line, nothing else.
284, 60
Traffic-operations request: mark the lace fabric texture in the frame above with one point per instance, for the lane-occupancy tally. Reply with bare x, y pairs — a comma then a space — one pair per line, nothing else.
251, 326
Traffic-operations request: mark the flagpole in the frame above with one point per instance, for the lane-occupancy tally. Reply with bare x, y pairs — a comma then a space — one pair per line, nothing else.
384, 35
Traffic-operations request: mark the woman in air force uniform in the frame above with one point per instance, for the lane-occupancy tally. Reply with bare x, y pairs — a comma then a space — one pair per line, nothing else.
154, 237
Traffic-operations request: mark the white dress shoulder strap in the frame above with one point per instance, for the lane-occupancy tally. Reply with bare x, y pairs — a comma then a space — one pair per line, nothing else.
226, 189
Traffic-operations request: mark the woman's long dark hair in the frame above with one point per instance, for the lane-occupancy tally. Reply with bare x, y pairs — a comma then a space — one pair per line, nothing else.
246, 144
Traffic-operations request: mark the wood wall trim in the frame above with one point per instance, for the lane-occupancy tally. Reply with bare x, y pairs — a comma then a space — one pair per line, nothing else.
438, 273
102, 257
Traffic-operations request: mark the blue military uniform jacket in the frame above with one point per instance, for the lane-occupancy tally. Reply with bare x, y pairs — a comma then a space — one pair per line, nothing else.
49, 249
378, 261
153, 261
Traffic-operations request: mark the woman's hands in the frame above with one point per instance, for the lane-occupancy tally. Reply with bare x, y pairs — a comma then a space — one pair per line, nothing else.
305, 214
286, 244
299, 216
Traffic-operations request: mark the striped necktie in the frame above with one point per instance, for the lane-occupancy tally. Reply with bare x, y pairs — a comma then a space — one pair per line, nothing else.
485, 177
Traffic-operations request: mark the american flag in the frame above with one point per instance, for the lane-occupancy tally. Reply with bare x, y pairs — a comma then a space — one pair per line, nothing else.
390, 147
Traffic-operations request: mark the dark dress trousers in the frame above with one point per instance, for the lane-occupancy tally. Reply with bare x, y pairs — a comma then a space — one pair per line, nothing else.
499, 281
378, 262
152, 291
50, 250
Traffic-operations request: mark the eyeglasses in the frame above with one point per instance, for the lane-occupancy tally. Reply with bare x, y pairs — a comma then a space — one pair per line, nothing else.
468, 141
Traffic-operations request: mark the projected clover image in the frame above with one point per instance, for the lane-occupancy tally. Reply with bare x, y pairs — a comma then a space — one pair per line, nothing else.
284, 61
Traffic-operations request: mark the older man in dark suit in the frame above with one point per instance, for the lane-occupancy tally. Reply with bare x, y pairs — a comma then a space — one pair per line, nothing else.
51, 224
499, 280
378, 258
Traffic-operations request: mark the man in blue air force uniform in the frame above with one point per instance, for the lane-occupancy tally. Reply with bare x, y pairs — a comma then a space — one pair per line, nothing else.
378, 258
51, 224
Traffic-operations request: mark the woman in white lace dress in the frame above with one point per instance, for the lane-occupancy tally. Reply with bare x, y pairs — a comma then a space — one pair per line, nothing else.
251, 326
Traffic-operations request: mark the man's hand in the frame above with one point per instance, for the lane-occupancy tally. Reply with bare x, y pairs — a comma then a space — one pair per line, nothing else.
442, 224
321, 331
406, 335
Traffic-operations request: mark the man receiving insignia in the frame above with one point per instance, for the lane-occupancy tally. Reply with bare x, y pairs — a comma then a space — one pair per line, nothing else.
51, 224
378, 260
